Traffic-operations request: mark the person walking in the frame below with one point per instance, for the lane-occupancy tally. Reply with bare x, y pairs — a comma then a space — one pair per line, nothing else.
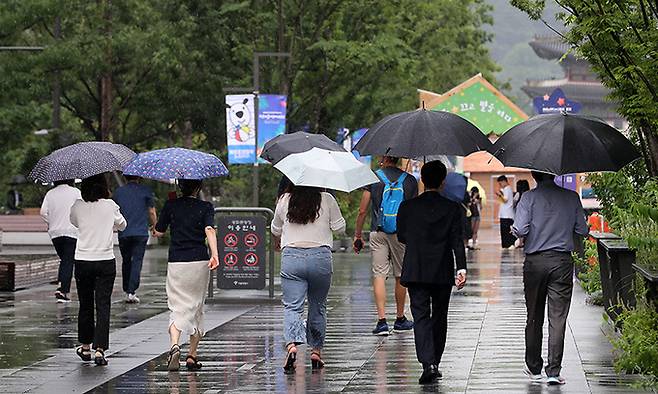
304, 220
192, 223
56, 211
384, 198
546, 218
136, 203
431, 228
476, 208
97, 217
506, 212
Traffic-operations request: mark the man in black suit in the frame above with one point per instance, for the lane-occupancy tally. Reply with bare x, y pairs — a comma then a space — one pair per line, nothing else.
430, 227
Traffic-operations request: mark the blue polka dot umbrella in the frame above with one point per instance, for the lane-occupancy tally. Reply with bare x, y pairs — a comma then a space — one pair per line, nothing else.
176, 163
81, 160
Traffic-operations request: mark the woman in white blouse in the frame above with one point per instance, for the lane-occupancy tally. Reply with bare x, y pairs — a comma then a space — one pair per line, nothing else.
304, 219
97, 217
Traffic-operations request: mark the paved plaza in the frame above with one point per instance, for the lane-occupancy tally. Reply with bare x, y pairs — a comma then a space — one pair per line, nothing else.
243, 350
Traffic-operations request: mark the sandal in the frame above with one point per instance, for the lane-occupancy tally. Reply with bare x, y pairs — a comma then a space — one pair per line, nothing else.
84, 354
99, 357
316, 360
194, 365
173, 363
291, 358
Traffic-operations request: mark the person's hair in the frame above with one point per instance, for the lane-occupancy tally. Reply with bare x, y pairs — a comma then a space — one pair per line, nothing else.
304, 204
433, 174
285, 185
391, 159
474, 190
190, 187
94, 188
69, 182
522, 186
542, 176
131, 177
502, 178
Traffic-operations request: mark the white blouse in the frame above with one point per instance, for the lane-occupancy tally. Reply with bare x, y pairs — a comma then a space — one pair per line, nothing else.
314, 234
96, 222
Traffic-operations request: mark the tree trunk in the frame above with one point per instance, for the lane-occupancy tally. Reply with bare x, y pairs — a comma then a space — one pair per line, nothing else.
107, 113
651, 138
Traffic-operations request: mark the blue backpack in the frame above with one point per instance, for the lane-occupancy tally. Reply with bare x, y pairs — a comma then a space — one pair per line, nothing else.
392, 197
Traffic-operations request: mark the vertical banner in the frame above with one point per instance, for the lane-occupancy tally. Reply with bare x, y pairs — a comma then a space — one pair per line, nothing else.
356, 137
240, 129
271, 119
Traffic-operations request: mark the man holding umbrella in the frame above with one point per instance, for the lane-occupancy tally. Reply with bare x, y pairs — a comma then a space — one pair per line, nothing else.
546, 218
387, 252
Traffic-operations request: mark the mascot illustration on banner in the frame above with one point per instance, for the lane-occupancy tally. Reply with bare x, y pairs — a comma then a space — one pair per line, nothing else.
240, 117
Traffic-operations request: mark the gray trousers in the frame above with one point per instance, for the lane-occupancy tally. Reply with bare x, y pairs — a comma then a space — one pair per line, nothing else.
546, 275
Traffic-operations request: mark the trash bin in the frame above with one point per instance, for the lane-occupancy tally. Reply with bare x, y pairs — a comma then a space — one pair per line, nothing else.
651, 284
616, 261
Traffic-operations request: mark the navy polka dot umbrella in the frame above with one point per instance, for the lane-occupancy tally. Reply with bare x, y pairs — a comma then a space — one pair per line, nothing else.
81, 160
176, 163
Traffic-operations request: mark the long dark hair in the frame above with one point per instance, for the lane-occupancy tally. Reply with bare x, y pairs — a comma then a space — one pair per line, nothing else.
190, 187
94, 188
304, 205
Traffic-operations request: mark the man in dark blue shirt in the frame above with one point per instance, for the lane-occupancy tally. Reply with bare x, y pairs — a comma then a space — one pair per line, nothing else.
136, 203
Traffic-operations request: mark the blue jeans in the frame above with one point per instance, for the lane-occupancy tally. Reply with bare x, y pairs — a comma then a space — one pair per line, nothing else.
305, 272
132, 252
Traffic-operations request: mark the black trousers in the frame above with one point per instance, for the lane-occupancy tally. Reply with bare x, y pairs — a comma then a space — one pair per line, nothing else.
429, 307
95, 280
132, 254
546, 275
506, 237
65, 248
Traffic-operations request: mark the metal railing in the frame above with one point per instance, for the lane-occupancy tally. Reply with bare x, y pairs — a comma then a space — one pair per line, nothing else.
269, 215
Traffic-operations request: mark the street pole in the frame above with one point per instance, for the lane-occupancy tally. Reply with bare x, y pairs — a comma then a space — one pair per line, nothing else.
255, 175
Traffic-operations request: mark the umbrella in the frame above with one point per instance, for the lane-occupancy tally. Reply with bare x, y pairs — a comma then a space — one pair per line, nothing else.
326, 169
454, 188
562, 143
81, 160
285, 144
422, 133
176, 163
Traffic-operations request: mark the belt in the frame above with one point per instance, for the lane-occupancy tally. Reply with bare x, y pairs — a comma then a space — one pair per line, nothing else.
541, 252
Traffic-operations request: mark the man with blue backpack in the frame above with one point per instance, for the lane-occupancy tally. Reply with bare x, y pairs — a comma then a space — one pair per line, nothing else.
385, 198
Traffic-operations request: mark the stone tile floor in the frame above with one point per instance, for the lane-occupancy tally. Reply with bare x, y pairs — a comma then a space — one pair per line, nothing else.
244, 353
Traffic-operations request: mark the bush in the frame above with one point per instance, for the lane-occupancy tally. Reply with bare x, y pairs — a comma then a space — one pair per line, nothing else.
589, 272
637, 345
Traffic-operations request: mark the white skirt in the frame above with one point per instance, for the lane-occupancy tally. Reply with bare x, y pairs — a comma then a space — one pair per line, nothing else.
187, 286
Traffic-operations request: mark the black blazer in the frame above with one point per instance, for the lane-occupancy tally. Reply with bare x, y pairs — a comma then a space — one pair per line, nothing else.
430, 226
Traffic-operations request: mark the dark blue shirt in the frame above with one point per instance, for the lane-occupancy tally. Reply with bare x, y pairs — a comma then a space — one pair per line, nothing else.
134, 200
188, 218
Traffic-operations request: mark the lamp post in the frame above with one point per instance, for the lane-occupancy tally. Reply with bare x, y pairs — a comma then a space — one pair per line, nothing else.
255, 89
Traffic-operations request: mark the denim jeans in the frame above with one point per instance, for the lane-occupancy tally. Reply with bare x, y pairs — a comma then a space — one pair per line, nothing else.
305, 272
132, 253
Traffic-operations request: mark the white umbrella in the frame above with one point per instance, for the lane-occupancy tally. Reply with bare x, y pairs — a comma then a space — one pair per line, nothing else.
326, 169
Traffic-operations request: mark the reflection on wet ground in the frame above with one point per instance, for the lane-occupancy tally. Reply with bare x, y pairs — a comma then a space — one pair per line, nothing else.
484, 351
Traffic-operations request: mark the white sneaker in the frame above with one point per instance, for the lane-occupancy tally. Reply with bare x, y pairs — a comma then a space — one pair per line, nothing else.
132, 299
555, 380
533, 377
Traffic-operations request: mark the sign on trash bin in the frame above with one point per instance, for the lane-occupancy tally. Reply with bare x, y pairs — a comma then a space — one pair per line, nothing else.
241, 252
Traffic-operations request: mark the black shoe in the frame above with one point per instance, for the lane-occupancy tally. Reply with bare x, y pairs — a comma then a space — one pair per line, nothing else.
84, 354
430, 374
61, 298
99, 357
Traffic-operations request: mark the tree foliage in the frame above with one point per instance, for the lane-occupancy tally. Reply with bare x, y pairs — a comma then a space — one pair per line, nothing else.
153, 73
620, 39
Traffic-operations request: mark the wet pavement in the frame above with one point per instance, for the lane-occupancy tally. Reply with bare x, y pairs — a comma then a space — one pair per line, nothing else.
245, 352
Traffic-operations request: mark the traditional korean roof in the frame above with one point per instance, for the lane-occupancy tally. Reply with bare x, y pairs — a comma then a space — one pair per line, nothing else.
551, 47
585, 92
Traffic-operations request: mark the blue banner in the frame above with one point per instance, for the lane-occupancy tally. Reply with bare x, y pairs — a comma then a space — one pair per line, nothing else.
356, 137
271, 119
555, 102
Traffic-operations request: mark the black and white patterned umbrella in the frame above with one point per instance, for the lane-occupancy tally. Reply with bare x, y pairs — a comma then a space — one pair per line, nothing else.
81, 160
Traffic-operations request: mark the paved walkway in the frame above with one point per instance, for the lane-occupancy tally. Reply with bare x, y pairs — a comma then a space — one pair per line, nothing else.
245, 351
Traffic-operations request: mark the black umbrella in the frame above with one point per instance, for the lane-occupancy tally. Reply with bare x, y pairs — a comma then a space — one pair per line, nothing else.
422, 133
81, 160
286, 144
562, 143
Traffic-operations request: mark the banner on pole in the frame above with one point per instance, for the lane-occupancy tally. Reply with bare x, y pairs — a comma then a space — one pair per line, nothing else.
271, 119
240, 129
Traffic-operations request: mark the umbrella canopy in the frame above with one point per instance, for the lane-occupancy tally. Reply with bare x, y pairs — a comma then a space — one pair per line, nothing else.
454, 188
81, 160
562, 143
422, 133
176, 163
285, 144
326, 169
